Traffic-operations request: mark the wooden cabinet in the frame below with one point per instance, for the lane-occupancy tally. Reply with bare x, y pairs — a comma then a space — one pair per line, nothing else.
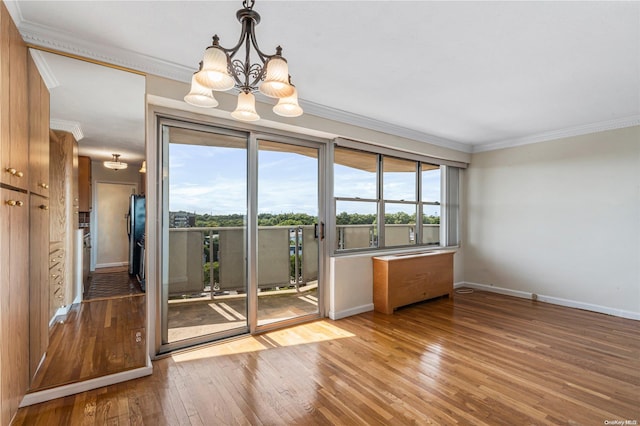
84, 184
39, 265
14, 301
404, 279
63, 192
14, 129
38, 132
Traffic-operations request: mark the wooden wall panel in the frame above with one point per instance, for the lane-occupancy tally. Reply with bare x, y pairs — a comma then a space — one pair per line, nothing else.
18, 110
63, 166
38, 281
38, 132
14, 297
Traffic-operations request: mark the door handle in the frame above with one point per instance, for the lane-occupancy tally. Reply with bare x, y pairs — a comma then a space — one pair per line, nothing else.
315, 231
321, 231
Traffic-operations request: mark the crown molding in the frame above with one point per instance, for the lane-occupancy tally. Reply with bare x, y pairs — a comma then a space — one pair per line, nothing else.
48, 38
72, 127
601, 126
381, 126
47, 75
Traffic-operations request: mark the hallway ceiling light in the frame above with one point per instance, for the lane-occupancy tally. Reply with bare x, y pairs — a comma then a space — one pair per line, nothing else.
115, 163
220, 71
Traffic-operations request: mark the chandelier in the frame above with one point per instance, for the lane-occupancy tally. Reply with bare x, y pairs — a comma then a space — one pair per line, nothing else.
115, 163
220, 71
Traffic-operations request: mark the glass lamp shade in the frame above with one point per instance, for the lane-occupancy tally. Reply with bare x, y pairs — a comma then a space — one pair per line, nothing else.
288, 106
200, 96
276, 83
246, 109
214, 74
115, 163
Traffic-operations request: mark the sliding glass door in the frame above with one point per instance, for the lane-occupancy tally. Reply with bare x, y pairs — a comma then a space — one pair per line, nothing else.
204, 285
241, 233
288, 231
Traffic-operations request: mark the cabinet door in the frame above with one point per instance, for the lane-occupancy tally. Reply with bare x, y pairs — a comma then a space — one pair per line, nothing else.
39, 280
38, 132
84, 183
14, 300
14, 115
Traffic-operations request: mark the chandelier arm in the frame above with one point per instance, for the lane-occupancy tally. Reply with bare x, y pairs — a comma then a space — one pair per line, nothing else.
263, 56
231, 52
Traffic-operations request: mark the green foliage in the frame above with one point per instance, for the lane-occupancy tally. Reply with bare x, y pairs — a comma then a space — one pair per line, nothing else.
292, 265
399, 218
431, 220
285, 219
295, 219
214, 221
207, 272
345, 218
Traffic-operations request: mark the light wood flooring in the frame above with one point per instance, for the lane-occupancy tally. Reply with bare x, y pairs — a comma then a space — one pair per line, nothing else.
97, 338
479, 359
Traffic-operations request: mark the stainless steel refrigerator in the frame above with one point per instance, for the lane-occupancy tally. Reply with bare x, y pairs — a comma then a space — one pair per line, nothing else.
135, 230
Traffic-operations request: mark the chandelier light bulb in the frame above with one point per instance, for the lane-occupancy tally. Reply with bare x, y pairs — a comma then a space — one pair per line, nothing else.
276, 83
214, 74
288, 106
246, 109
200, 96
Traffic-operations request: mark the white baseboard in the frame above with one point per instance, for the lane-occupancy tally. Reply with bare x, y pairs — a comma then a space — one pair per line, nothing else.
111, 265
553, 300
87, 385
61, 312
351, 311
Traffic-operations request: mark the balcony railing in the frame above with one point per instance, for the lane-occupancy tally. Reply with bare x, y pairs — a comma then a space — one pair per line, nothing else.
365, 236
212, 260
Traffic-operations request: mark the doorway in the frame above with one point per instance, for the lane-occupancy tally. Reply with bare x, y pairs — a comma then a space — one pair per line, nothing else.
111, 242
241, 233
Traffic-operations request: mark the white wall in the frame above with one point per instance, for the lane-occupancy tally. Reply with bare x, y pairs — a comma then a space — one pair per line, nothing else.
560, 219
100, 174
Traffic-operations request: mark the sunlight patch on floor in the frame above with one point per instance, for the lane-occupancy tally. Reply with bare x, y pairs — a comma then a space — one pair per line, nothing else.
314, 332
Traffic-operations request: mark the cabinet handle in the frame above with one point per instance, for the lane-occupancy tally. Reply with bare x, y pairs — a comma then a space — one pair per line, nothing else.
43, 207
13, 203
14, 172
43, 185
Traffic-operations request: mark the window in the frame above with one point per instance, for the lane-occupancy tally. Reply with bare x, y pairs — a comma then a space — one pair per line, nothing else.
383, 200
399, 192
356, 203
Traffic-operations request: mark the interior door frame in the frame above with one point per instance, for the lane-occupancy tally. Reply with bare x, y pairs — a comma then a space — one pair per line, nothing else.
157, 117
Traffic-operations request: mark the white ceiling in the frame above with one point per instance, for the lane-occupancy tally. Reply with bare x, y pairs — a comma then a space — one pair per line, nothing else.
469, 75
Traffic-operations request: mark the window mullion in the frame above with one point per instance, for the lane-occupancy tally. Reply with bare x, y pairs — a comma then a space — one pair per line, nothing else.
380, 192
418, 203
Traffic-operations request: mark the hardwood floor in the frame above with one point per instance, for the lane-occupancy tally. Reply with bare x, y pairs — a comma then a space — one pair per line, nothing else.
478, 359
97, 338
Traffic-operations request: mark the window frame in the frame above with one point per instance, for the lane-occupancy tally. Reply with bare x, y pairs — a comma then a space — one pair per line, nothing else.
447, 222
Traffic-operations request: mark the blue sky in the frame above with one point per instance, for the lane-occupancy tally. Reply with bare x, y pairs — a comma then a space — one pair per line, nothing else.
206, 179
